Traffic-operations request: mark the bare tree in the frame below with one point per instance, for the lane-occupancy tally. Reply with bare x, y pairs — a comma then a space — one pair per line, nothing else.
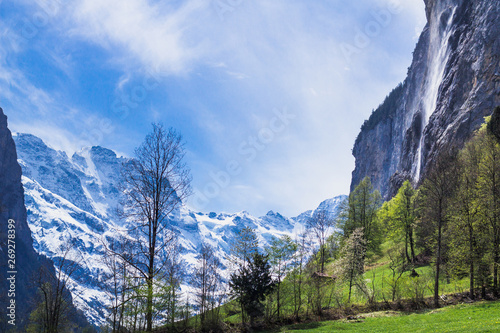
297, 275
320, 225
155, 184
207, 280
53, 313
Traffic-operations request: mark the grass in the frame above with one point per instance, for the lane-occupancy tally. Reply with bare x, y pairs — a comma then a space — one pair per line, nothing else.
378, 276
478, 317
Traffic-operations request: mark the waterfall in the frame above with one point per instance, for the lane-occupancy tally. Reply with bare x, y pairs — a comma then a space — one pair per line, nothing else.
439, 53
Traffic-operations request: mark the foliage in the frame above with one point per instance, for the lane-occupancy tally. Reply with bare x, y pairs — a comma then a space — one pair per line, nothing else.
352, 262
251, 284
360, 211
386, 110
399, 216
280, 253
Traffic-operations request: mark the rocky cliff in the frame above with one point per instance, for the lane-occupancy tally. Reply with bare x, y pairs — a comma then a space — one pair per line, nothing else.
19, 262
452, 84
25, 261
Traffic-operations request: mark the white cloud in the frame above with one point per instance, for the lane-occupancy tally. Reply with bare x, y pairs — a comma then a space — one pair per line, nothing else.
270, 54
155, 35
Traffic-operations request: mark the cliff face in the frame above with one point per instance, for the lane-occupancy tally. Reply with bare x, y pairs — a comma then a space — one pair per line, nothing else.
452, 84
27, 262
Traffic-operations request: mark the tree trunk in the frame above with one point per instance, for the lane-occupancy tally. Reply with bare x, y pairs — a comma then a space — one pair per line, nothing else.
495, 267
412, 246
149, 305
438, 263
471, 258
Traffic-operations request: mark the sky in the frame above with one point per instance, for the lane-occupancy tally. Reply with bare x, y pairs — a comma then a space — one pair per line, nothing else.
269, 95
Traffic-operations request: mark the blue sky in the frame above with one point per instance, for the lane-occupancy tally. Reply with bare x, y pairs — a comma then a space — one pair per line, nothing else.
268, 94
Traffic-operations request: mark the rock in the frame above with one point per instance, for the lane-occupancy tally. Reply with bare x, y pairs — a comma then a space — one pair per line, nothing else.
27, 261
452, 84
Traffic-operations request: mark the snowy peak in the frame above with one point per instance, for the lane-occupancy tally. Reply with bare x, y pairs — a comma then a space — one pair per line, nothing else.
73, 200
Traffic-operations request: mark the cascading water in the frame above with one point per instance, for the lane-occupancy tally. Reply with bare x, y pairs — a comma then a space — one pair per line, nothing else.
439, 53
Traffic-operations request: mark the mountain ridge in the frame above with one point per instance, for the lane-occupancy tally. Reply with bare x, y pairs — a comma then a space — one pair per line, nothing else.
70, 202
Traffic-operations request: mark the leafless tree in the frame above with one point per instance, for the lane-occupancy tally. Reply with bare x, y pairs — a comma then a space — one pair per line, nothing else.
53, 312
207, 281
320, 225
154, 183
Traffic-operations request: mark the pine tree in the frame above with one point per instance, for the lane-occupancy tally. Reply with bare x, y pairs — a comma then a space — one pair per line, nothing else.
251, 284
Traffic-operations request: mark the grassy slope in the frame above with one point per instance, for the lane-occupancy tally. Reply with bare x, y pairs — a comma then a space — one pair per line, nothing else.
479, 317
378, 271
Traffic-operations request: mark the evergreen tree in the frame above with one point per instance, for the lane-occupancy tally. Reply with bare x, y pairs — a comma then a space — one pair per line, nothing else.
243, 246
251, 284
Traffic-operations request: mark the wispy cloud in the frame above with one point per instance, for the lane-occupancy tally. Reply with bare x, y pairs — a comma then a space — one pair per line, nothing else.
218, 77
156, 35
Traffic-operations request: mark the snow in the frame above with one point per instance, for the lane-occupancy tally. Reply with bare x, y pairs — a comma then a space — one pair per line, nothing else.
79, 208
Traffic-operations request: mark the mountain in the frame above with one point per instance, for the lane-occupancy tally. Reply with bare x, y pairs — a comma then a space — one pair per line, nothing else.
16, 243
73, 200
452, 84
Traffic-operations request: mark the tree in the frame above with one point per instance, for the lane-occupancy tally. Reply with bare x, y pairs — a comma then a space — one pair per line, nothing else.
206, 281
397, 265
437, 190
251, 285
352, 259
467, 206
297, 275
399, 216
320, 225
243, 246
114, 282
54, 308
360, 211
280, 254
489, 192
155, 183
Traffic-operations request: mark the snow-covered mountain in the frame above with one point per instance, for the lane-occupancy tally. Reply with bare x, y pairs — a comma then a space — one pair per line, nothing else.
73, 200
